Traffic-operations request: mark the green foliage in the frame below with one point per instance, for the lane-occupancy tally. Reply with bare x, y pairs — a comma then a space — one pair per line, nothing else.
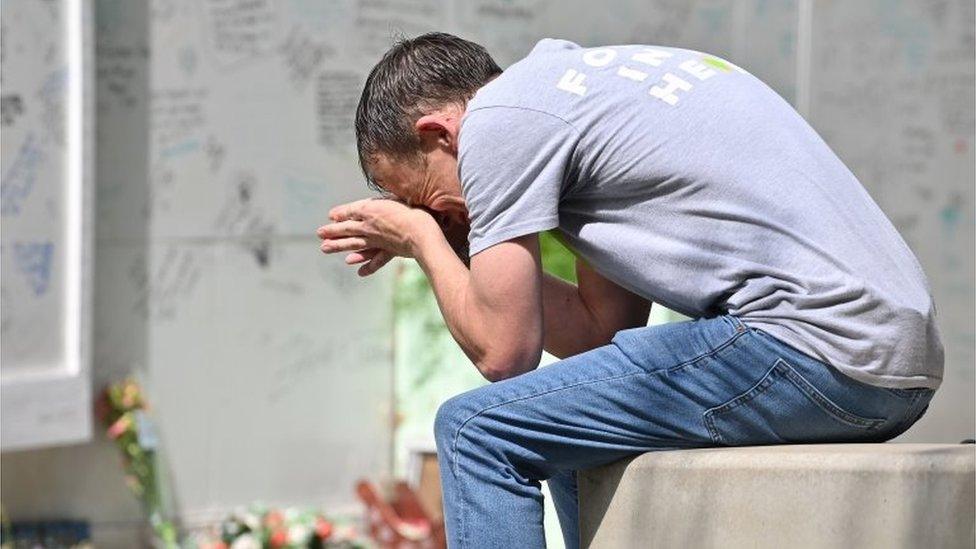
556, 257
123, 411
419, 321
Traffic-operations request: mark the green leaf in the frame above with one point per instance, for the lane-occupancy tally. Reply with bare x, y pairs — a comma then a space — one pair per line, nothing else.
557, 259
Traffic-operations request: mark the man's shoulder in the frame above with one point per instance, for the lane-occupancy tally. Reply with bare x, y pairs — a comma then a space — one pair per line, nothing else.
551, 45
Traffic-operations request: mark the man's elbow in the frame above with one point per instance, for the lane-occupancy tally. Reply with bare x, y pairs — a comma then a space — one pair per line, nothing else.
510, 362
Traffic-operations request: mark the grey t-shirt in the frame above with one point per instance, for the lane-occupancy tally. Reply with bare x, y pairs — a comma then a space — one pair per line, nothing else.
688, 181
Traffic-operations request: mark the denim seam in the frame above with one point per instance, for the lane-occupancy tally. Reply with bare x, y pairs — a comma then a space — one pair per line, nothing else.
457, 434
906, 394
712, 352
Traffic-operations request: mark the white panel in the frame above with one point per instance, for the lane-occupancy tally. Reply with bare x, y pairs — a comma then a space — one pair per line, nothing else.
46, 243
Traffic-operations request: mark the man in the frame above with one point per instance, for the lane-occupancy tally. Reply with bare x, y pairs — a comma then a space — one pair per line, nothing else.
676, 178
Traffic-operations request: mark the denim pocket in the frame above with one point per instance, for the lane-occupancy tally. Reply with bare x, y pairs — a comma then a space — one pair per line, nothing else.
783, 407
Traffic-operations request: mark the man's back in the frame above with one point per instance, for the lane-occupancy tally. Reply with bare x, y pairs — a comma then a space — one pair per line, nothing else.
688, 181
679, 178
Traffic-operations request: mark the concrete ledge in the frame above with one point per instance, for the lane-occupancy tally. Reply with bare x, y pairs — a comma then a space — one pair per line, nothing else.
843, 495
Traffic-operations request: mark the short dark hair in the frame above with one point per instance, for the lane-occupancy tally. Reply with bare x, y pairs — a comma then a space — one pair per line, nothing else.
414, 77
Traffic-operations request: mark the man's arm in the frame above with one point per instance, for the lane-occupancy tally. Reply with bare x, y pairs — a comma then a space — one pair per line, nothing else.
584, 317
494, 309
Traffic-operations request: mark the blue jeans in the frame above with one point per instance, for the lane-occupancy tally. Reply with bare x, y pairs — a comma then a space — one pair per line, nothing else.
701, 383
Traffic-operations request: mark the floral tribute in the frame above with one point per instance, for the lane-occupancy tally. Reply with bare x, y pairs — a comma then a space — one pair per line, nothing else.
122, 409
124, 412
261, 528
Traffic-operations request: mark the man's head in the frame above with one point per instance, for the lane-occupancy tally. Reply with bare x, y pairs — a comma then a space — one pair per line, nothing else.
409, 116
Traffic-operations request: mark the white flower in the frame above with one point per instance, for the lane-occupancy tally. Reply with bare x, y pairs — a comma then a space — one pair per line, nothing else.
247, 541
298, 534
251, 520
343, 532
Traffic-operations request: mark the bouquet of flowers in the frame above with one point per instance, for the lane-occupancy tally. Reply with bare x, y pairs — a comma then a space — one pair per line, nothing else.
263, 528
123, 411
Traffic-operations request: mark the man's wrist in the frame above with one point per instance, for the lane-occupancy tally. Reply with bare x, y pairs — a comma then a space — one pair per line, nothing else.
427, 237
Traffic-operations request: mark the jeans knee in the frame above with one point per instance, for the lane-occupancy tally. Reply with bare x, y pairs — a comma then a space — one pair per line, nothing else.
448, 420
455, 413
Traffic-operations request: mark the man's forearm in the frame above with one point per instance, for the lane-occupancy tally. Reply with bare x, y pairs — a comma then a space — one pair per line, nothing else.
570, 327
502, 335
568, 324
449, 278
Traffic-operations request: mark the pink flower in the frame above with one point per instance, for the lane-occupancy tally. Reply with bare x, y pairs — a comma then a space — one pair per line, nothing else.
119, 427
274, 519
323, 528
279, 538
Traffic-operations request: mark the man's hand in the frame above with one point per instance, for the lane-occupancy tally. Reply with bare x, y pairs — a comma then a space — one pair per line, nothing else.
493, 309
375, 231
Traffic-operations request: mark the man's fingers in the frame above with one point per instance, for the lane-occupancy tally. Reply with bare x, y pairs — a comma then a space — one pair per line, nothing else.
344, 212
340, 229
379, 260
361, 256
355, 244
372, 259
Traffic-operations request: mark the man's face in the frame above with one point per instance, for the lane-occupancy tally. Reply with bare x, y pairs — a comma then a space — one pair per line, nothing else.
430, 180
431, 184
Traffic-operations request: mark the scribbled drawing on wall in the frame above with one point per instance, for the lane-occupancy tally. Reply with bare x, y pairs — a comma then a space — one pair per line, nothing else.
19, 179
34, 261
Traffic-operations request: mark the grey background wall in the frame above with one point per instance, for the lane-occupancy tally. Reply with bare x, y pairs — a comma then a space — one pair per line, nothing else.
224, 134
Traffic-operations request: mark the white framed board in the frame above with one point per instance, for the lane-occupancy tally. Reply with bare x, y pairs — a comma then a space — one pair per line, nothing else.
45, 211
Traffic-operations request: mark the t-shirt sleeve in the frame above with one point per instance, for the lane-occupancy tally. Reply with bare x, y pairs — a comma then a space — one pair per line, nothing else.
513, 164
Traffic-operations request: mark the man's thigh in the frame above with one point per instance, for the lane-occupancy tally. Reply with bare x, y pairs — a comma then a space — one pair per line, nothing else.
692, 384
647, 390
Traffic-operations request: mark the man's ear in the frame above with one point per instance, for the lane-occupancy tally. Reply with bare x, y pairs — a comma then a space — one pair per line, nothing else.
440, 128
